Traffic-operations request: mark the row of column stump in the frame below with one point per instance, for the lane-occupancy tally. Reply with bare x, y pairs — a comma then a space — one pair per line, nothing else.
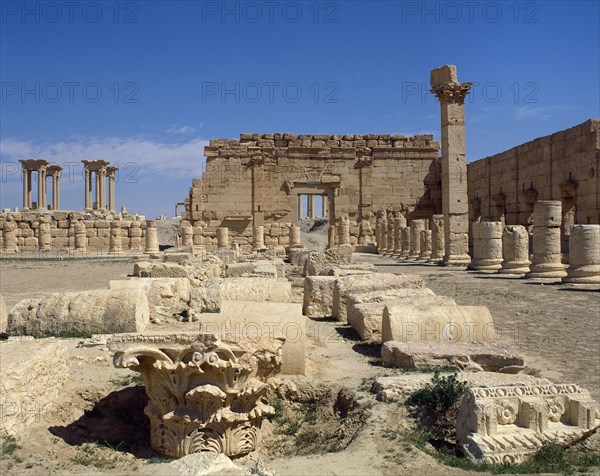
503, 248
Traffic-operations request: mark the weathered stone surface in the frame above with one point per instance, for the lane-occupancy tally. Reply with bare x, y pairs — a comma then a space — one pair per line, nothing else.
32, 375
346, 285
205, 298
197, 270
584, 255
347, 269
98, 312
318, 296
3, 314
515, 250
316, 261
509, 424
251, 268
546, 261
239, 320
173, 293
488, 357
208, 464
205, 394
366, 318
437, 323
487, 246
256, 289
401, 386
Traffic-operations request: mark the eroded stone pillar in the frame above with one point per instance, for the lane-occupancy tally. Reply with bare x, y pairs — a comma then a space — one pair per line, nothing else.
222, 237
515, 250
40, 190
81, 240
425, 253
383, 236
295, 237
88, 189
344, 230
187, 233
151, 237
487, 246
416, 226
547, 258
399, 224
102, 193
25, 189
455, 207
111, 189
44, 238
310, 206
9, 236
437, 238
204, 394
584, 255
258, 238
391, 237
115, 242
405, 237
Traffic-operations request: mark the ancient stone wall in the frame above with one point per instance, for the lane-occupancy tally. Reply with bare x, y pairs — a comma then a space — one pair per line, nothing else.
258, 179
562, 166
63, 231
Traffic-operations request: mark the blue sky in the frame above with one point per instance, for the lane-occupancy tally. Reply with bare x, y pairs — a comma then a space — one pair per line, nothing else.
146, 84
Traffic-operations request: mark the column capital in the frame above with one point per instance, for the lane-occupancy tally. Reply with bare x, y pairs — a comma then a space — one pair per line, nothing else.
452, 92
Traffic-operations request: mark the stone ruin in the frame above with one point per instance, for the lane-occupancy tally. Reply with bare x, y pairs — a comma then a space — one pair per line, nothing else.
239, 237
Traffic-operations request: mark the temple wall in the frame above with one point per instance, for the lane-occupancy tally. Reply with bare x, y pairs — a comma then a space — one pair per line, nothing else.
257, 179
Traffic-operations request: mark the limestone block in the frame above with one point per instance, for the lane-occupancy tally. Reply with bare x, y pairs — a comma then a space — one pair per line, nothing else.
346, 269
206, 298
435, 323
98, 312
251, 268
488, 357
3, 314
173, 293
318, 296
366, 318
509, 424
346, 285
256, 289
238, 320
584, 255
32, 375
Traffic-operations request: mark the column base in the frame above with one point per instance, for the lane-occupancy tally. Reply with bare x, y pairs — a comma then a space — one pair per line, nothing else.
589, 274
547, 270
458, 260
485, 265
515, 267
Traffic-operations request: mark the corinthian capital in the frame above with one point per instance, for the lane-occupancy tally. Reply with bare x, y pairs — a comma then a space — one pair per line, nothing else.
452, 92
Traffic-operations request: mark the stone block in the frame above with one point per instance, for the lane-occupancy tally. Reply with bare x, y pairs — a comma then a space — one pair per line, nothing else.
84, 312
206, 298
366, 318
502, 424
32, 373
346, 285
239, 320
256, 290
489, 357
436, 323
173, 293
318, 296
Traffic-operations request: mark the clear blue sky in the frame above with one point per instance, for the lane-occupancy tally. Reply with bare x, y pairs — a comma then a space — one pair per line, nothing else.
146, 84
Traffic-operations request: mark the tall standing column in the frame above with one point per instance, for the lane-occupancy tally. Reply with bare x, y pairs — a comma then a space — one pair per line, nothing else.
383, 227
29, 188
451, 94
425, 253
43, 178
40, 191
547, 257
25, 189
344, 230
88, 189
310, 207
111, 192
102, 173
391, 237
97, 201
56, 199
324, 206
399, 223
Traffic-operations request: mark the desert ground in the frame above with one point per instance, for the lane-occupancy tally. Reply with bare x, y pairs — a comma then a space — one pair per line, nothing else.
101, 428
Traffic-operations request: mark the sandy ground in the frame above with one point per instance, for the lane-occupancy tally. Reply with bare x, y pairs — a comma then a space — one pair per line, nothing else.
558, 330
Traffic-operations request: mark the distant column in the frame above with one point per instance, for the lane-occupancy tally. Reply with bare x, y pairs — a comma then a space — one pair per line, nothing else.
399, 223
25, 189
324, 206
310, 207
88, 189
151, 237
102, 173
390, 235
223, 237
455, 207
295, 237
344, 231
43, 200
258, 238
425, 253
97, 200
111, 192
487, 246
416, 226
115, 243
29, 188
40, 191
437, 238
